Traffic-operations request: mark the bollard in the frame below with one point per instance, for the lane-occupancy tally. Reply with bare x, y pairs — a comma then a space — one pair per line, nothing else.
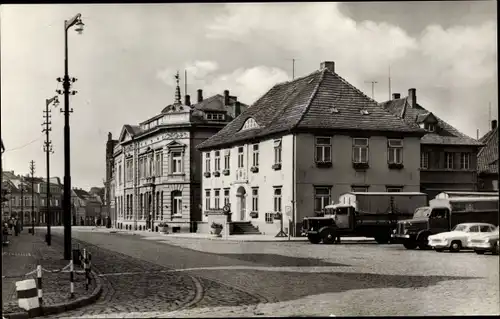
85, 267
89, 267
71, 280
39, 283
27, 297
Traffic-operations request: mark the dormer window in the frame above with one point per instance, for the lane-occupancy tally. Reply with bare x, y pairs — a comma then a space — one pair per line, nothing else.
249, 124
215, 116
431, 127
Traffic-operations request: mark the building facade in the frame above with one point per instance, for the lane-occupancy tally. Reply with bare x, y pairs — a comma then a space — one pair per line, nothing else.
487, 160
87, 207
448, 158
55, 200
109, 184
156, 173
302, 145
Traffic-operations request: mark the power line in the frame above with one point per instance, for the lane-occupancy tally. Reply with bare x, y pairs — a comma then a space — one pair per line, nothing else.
23, 146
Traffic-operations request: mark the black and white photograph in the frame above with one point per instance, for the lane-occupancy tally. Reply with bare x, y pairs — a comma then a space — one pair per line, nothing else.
249, 159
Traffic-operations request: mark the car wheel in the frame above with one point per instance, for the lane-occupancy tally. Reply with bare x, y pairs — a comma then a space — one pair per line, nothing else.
455, 246
328, 236
410, 245
479, 252
495, 249
439, 250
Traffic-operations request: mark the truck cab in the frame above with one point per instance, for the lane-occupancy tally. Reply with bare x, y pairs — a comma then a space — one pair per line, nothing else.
335, 220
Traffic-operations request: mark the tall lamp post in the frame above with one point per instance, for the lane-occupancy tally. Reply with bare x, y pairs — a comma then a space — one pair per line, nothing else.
75, 21
32, 171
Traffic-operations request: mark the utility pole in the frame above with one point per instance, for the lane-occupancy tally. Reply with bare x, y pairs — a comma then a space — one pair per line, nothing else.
373, 88
21, 186
32, 171
47, 147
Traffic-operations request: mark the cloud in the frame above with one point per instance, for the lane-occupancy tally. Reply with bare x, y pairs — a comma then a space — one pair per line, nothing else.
197, 69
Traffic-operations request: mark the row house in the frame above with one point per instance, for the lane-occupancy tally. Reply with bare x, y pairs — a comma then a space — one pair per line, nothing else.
54, 201
487, 160
86, 207
156, 174
448, 158
303, 144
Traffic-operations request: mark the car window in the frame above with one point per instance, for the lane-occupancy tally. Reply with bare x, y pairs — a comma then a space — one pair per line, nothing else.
484, 229
474, 229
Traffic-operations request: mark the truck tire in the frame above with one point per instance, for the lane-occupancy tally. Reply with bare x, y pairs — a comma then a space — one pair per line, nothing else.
423, 242
455, 246
439, 250
410, 244
479, 252
314, 239
328, 236
382, 239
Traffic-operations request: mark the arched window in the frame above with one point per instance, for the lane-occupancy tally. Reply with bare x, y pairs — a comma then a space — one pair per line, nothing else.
249, 124
161, 206
176, 203
157, 206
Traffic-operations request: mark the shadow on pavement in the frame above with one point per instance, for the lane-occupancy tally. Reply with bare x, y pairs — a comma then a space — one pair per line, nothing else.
281, 261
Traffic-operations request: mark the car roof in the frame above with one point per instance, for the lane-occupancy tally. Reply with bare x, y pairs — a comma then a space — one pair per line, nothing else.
477, 224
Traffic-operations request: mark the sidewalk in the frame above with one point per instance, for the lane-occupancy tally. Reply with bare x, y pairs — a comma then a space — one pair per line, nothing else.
22, 255
246, 238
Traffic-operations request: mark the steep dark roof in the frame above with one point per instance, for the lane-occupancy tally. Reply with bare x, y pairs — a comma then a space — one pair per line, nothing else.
307, 103
81, 193
447, 135
216, 103
487, 157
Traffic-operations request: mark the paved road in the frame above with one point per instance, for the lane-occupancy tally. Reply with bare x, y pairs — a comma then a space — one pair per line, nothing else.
246, 279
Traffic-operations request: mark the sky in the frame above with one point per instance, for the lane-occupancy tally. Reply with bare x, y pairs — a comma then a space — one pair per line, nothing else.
128, 53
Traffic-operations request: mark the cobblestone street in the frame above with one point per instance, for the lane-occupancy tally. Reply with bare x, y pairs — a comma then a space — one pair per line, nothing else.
154, 277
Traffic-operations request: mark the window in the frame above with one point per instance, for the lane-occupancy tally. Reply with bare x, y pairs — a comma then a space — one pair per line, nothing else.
269, 218
240, 157
484, 228
359, 189
249, 124
430, 127
151, 165
255, 161
395, 151
448, 160
217, 198
360, 150
42, 202
424, 160
464, 160
215, 116
161, 205
217, 161
207, 162
321, 198
119, 173
255, 199
176, 203
277, 199
323, 149
159, 164
226, 196
474, 229
141, 206
207, 199
227, 159
393, 189
277, 151
176, 162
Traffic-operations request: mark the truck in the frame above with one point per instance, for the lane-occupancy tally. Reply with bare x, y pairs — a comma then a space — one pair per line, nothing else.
442, 215
367, 214
450, 194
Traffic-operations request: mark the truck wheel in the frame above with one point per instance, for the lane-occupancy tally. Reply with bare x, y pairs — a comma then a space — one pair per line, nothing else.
382, 239
479, 252
455, 246
314, 239
410, 245
439, 250
328, 236
423, 242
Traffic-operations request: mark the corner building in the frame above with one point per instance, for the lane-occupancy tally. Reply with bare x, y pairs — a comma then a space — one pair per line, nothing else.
303, 144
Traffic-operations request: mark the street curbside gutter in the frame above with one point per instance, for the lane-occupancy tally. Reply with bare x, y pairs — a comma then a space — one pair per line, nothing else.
63, 307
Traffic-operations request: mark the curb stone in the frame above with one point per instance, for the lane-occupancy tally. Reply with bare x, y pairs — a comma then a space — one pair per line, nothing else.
65, 306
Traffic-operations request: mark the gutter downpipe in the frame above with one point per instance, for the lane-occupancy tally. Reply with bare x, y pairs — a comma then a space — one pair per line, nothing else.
293, 188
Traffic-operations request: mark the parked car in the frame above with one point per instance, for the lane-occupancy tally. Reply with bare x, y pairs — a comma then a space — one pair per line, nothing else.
459, 236
487, 242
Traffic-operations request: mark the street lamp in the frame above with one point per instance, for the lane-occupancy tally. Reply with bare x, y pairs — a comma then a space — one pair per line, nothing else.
75, 21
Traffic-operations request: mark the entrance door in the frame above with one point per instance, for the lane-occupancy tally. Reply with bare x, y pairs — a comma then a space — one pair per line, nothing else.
242, 196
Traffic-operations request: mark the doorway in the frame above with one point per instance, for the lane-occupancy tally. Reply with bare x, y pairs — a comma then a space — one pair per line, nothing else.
241, 194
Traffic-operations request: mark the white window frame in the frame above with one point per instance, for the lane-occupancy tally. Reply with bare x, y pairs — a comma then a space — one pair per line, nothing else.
465, 161
424, 160
269, 217
241, 157
207, 162
393, 189
277, 199
323, 199
323, 147
430, 127
177, 205
395, 146
277, 151
358, 145
217, 161
226, 196
227, 159
176, 162
255, 199
207, 199
447, 157
255, 155
217, 198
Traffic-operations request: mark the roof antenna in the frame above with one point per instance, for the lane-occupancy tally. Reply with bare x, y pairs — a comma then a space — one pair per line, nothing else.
489, 114
185, 82
390, 95
373, 88
293, 68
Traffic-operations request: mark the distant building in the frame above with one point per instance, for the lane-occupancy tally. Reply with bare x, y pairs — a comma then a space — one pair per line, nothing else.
487, 160
86, 206
109, 182
156, 174
300, 146
448, 158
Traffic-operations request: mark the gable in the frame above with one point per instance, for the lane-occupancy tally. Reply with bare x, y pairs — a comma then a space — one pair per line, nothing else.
249, 124
125, 135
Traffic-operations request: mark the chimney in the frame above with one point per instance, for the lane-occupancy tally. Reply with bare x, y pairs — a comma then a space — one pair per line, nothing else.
493, 124
226, 97
110, 137
187, 100
412, 97
330, 65
396, 96
237, 109
200, 95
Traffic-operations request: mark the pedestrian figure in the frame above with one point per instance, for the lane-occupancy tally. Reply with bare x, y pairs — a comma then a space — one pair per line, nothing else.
81, 221
11, 224
95, 221
5, 233
17, 227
